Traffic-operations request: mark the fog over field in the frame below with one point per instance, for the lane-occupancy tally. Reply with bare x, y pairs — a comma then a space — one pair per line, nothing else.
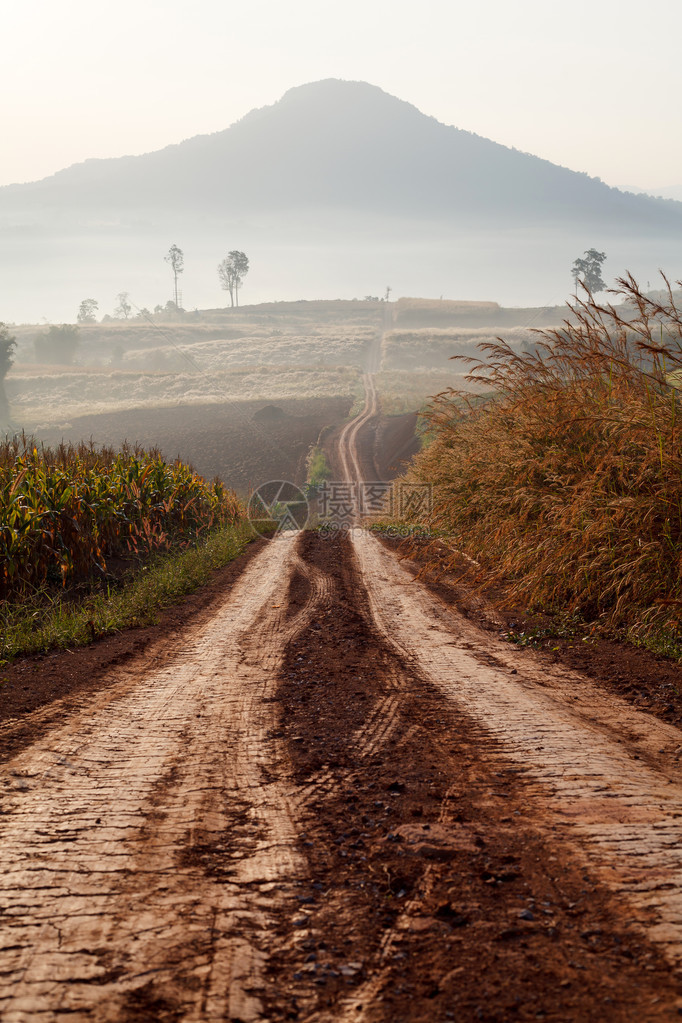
45, 279
339, 195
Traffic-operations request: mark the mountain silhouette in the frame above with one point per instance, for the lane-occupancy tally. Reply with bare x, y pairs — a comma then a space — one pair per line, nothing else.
340, 146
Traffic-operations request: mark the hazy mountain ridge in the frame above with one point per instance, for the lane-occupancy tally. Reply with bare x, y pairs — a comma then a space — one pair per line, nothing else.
337, 190
670, 192
344, 146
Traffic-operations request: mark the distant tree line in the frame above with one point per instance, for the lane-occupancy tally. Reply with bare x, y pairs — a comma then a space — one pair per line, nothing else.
231, 273
58, 346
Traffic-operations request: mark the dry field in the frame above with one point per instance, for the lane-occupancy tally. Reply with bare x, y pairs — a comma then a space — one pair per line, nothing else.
46, 402
121, 367
402, 391
432, 347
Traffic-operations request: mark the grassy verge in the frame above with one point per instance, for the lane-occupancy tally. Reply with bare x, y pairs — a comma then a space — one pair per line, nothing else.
319, 469
58, 624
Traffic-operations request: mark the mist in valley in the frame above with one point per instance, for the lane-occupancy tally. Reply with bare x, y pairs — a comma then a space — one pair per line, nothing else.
46, 277
335, 191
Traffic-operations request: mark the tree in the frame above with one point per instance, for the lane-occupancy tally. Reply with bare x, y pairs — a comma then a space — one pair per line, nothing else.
7, 345
231, 272
87, 311
176, 258
58, 345
124, 308
588, 271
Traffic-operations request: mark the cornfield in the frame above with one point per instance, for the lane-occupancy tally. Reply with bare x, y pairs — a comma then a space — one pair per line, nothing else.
565, 482
65, 513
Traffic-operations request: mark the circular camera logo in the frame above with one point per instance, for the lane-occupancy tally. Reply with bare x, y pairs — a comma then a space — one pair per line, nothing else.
280, 503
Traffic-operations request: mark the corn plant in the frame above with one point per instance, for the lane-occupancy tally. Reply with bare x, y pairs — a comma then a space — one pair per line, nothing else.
63, 513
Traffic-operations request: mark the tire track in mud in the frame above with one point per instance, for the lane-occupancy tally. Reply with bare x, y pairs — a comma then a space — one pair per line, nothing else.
338, 803
145, 844
347, 444
602, 771
433, 892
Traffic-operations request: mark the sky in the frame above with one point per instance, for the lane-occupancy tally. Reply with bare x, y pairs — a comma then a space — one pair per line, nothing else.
593, 85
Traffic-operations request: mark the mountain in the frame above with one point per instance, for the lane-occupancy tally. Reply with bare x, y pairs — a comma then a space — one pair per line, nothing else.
339, 146
336, 190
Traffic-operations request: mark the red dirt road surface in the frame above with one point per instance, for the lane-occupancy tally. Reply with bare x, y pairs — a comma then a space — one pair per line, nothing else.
327, 795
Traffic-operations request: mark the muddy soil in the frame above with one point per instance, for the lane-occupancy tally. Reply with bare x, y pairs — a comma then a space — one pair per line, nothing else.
147, 836
648, 681
36, 693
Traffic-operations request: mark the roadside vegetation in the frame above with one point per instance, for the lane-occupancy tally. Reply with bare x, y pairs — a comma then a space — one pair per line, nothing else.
65, 513
318, 468
78, 523
564, 482
51, 620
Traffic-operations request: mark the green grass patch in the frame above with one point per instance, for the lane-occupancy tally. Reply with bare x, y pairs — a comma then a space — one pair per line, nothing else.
560, 626
49, 623
662, 642
319, 469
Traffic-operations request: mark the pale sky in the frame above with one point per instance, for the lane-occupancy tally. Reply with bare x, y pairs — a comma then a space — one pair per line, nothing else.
594, 85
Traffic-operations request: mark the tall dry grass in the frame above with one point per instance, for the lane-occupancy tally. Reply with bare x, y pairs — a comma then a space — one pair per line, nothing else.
566, 482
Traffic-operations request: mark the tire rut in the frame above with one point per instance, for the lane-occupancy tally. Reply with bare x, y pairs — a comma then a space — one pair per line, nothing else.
425, 855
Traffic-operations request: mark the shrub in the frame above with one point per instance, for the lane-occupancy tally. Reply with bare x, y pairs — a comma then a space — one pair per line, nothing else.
58, 346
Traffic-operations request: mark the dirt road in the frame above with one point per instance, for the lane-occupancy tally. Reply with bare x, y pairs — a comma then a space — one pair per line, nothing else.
337, 799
